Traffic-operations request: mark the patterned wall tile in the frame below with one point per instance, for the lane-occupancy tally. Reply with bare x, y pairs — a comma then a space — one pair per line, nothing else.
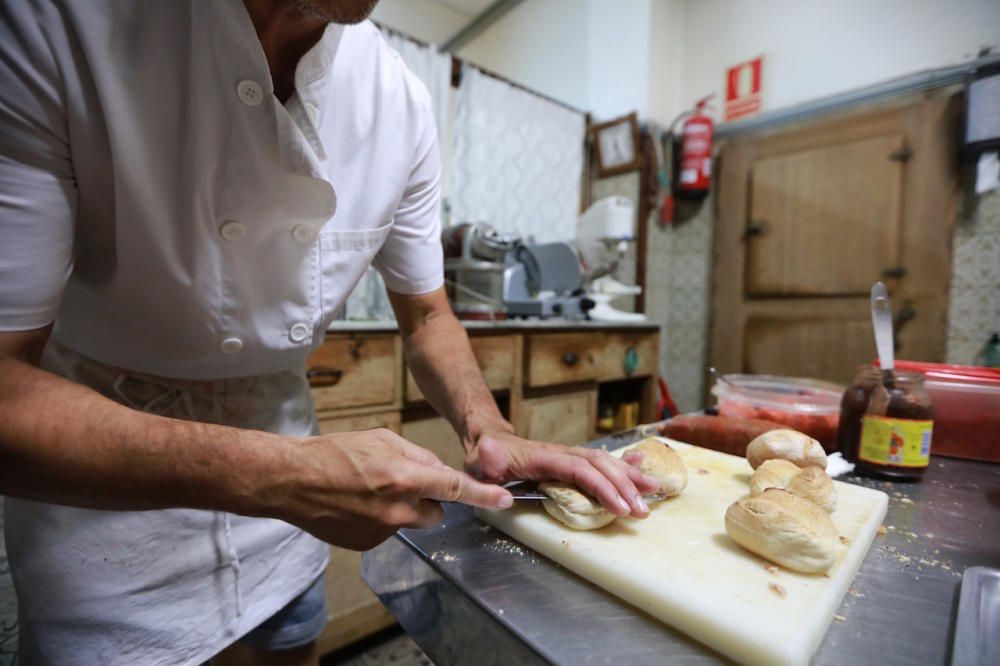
678, 296
974, 304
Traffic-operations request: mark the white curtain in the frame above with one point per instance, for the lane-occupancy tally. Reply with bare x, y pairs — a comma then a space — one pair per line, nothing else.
518, 159
369, 300
433, 68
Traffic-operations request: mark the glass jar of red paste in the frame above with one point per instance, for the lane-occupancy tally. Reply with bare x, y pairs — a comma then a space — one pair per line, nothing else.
886, 424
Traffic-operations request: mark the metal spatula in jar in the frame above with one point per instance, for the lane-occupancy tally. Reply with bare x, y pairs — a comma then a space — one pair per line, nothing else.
882, 323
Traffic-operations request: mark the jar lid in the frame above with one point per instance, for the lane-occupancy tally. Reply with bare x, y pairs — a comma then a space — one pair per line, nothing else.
964, 374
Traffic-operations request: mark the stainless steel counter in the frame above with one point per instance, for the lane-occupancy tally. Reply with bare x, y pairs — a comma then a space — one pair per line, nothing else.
469, 595
507, 324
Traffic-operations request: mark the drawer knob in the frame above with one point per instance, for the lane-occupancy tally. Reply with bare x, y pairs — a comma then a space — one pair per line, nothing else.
322, 376
631, 360
570, 358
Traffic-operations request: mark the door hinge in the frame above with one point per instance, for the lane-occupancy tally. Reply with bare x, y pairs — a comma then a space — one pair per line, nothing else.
755, 228
901, 155
896, 272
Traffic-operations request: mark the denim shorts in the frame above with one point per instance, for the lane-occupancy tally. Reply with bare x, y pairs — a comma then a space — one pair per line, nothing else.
300, 622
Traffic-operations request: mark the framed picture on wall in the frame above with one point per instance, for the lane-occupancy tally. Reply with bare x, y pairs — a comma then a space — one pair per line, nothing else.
617, 143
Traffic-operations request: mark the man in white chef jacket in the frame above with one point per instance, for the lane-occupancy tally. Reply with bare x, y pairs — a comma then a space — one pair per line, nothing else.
189, 190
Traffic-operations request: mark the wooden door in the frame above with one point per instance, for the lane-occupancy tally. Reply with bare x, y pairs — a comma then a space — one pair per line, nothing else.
810, 216
824, 221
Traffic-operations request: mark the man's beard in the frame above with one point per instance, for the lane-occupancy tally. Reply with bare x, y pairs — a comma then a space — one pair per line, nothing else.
345, 12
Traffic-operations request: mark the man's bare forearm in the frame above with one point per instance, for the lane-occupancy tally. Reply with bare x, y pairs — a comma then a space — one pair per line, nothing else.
67, 444
440, 357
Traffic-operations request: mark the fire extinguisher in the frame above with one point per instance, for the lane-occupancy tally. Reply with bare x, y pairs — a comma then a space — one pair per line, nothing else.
693, 164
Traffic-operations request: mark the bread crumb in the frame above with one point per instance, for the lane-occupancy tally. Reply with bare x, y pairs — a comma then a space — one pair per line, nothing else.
840, 618
906, 500
770, 568
882, 531
777, 589
702, 471
441, 556
929, 535
844, 540
501, 611
484, 528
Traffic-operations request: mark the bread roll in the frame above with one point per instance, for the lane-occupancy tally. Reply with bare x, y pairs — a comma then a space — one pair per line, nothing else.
774, 473
813, 484
784, 529
662, 463
572, 508
789, 445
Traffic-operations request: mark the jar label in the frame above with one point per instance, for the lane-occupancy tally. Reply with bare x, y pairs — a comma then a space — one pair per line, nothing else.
899, 442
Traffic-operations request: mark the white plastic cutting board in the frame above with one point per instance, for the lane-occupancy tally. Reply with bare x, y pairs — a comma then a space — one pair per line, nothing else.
680, 566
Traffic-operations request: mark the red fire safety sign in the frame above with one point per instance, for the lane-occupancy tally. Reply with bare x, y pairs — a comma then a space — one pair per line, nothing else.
743, 88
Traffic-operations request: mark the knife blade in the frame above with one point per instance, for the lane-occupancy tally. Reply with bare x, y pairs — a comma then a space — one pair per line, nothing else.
525, 491
520, 497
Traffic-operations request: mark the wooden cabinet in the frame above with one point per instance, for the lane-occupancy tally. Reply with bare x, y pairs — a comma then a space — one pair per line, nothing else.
436, 434
563, 418
563, 358
388, 420
356, 371
631, 354
495, 355
353, 612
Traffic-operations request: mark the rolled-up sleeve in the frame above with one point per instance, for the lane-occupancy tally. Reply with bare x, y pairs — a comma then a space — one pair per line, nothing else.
37, 188
411, 260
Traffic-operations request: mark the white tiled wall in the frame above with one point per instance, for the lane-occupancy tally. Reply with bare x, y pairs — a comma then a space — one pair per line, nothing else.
974, 305
678, 296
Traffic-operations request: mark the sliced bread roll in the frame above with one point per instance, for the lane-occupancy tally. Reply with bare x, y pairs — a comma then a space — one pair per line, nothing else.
790, 445
774, 473
815, 485
662, 463
572, 508
785, 529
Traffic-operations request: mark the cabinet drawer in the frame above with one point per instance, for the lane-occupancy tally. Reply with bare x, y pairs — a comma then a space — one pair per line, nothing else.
436, 434
566, 418
632, 354
561, 358
495, 355
388, 420
355, 371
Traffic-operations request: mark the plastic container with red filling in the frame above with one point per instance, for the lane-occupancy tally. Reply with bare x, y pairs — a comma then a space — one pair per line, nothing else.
966, 402
810, 406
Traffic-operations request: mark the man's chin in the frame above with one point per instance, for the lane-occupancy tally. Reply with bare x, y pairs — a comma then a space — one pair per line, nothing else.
347, 12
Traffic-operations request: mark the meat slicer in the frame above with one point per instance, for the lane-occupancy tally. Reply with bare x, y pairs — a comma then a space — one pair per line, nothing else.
492, 275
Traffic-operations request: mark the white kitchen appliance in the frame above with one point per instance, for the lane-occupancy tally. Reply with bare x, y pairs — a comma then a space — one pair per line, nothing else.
603, 235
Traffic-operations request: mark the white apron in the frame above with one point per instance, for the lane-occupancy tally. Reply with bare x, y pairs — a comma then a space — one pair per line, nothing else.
159, 587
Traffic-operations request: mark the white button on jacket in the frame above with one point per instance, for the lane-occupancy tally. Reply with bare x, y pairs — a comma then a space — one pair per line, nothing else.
196, 183
299, 332
250, 93
232, 231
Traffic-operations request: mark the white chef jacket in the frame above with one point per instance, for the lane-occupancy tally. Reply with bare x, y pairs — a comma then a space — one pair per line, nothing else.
175, 219
171, 215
